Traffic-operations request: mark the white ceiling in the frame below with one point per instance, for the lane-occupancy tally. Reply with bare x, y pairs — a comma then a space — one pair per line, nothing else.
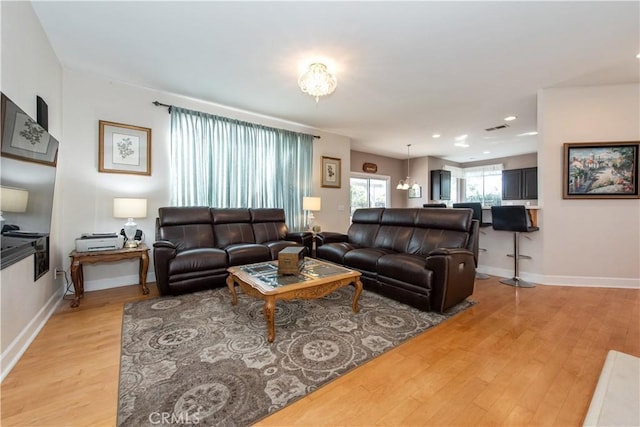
405, 70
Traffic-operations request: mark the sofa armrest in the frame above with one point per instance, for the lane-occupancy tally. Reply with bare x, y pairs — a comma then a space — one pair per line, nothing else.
453, 276
330, 237
163, 252
305, 238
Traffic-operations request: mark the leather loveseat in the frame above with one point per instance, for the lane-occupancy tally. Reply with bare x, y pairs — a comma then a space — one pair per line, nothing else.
195, 245
421, 257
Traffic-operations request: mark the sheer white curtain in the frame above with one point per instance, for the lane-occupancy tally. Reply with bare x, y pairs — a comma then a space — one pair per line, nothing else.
221, 162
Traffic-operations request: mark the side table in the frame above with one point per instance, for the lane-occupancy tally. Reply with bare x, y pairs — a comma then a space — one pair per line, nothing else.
79, 258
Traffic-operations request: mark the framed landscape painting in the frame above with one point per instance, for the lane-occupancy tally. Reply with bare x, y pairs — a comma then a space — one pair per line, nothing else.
601, 170
124, 149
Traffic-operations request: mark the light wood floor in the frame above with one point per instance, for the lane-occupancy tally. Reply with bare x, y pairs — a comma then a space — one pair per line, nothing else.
519, 357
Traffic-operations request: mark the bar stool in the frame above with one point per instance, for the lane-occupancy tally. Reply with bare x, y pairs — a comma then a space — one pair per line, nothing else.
477, 214
513, 218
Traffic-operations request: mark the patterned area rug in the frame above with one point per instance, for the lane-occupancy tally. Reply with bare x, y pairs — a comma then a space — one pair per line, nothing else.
196, 359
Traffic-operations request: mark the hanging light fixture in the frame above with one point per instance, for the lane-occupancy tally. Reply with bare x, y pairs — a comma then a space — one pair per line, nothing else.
317, 81
407, 183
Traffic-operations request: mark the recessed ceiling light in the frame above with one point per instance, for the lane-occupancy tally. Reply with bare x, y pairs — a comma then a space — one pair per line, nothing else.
528, 133
461, 137
461, 144
509, 118
638, 56
435, 135
486, 152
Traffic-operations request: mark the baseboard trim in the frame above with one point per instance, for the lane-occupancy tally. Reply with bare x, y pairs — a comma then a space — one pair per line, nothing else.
21, 343
556, 280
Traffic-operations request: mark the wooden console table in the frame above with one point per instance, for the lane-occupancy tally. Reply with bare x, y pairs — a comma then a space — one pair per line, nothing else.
79, 258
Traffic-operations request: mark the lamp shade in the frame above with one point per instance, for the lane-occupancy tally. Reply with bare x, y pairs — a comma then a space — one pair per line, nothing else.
129, 208
13, 199
311, 203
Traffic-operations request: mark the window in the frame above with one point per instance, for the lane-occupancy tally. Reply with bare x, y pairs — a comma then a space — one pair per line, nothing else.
484, 184
368, 192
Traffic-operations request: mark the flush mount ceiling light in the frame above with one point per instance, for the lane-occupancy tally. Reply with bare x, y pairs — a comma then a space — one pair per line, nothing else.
317, 81
407, 183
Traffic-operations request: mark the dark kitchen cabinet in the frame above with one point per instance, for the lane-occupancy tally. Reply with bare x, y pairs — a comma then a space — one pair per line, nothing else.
520, 184
440, 185
530, 183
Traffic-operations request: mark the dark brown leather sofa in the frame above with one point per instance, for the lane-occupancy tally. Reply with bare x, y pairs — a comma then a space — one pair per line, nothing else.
421, 257
195, 245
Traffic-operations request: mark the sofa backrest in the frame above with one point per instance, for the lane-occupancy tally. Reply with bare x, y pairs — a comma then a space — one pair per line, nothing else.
268, 224
396, 228
232, 226
186, 227
440, 228
365, 224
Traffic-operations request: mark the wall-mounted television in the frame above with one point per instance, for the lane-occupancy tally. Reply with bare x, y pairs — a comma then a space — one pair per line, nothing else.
28, 159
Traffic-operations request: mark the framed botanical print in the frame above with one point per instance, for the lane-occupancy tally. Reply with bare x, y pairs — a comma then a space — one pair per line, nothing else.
331, 172
23, 138
124, 148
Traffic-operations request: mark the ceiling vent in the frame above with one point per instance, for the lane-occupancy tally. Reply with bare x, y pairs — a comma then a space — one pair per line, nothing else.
504, 126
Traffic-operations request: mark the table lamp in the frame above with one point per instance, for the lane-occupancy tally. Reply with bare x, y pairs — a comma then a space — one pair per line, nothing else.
130, 208
311, 204
12, 200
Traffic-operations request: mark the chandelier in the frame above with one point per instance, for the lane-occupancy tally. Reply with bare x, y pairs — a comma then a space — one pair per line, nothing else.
407, 183
317, 81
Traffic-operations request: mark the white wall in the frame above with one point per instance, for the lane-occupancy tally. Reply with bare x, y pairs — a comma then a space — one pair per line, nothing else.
29, 68
589, 242
87, 194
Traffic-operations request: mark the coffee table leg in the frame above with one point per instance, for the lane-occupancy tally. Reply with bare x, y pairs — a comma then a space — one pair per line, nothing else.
269, 314
232, 289
358, 284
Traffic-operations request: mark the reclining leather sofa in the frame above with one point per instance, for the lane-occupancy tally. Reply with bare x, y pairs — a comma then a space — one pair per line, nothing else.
195, 245
421, 257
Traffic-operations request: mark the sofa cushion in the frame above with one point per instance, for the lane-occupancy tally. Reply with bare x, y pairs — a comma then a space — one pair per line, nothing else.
365, 259
198, 260
247, 253
440, 228
232, 227
405, 268
334, 252
425, 240
268, 225
364, 226
445, 219
186, 227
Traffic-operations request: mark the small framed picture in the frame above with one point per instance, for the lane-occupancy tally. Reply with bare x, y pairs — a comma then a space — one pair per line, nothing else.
331, 173
600, 170
124, 149
415, 192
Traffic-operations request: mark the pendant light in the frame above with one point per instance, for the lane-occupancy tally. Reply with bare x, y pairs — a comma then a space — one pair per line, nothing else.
407, 183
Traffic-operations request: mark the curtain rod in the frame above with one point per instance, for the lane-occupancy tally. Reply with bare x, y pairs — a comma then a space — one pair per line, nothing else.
160, 104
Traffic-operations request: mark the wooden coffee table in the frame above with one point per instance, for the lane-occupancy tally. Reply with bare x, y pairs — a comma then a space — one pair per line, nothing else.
316, 279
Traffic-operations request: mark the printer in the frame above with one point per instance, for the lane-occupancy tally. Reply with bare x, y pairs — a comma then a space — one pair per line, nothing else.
91, 242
